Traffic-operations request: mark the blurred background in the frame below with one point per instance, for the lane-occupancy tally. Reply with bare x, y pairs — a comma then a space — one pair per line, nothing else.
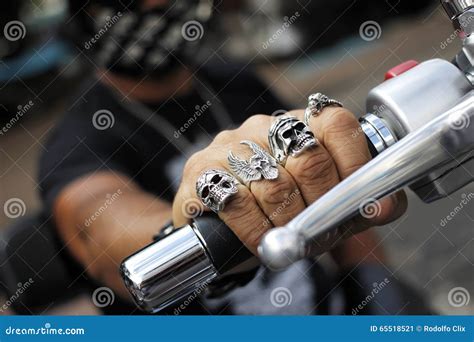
338, 47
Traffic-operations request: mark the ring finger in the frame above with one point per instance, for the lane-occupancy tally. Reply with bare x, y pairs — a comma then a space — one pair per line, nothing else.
240, 211
274, 189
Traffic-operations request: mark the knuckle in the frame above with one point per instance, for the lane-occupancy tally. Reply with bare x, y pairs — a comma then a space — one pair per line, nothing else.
317, 165
277, 191
257, 120
240, 204
241, 215
194, 164
341, 121
353, 166
224, 136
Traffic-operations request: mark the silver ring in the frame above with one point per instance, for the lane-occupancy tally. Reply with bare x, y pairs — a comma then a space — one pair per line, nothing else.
316, 103
289, 136
214, 187
261, 164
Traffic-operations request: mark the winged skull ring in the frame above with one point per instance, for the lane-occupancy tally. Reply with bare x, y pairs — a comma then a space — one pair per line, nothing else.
261, 164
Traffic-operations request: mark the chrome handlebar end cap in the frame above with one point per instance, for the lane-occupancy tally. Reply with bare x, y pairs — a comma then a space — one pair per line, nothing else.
168, 270
280, 247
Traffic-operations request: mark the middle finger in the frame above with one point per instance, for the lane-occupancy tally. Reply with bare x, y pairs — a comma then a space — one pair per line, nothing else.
279, 198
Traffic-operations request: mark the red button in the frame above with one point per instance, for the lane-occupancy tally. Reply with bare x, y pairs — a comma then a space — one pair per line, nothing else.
400, 69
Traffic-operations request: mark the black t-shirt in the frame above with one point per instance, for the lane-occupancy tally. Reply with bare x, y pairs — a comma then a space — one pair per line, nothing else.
132, 146
99, 132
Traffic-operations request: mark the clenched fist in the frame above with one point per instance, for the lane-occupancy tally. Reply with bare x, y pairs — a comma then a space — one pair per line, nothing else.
262, 184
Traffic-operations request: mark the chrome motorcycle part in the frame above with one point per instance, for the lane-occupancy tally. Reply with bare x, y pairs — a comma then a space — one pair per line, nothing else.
428, 147
184, 262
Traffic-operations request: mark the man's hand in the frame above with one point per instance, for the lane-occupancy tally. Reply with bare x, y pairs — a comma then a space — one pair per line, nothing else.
266, 203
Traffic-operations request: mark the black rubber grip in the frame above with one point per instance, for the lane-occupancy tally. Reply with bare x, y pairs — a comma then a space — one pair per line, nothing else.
224, 247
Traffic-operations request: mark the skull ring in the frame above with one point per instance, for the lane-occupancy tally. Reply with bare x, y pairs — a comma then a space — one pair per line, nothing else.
214, 187
260, 165
316, 103
289, 136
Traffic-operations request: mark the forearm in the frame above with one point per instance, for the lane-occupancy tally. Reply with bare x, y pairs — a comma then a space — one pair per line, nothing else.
104, 222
